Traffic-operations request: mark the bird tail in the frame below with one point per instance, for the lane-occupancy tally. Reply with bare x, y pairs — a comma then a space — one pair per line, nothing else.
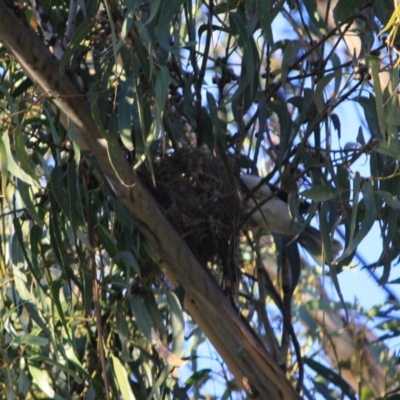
311, 240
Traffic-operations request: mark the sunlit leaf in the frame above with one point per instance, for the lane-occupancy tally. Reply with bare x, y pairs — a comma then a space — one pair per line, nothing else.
126, 99
31, 340
122, 380
12, 166
20, 149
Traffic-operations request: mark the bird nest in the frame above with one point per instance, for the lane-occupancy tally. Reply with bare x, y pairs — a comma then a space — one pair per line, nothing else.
195, 193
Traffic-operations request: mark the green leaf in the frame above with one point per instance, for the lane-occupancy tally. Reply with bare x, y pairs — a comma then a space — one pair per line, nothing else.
264, 8
126, 98
319, 91
225, 6
43, 359
35, 240
391, 200
3, 166
360, 136
239, 30
106, 240
21, 88
163, 376
75, 212
169, 9
375, 63
12, 166
203, 375
79, 35
325, 213
343, 184
117, 162
121, 376
217, 139
24, 191
128, 259
20, 150
177, 323
111, 136
31, 340
371, 115
55, 288
154, 8
289, 58
383, 10
336, 123
161, 87
18, 233
345, 9
356, 193
279, 106
368, 221
389, 149
212, 106
330, 376
10, 103
58, 247
59, 191
320, 193
142, 317
262, 119
21, 285
161, 92
315, 17
155, 314
42, 379
128, 21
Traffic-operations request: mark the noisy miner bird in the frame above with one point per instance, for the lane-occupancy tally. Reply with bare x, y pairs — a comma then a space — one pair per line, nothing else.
269, 212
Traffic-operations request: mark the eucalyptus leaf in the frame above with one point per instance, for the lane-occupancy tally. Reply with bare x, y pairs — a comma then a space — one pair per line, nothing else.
142, 317
320, 193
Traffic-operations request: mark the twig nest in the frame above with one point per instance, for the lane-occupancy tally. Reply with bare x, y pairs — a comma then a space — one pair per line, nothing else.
193, 189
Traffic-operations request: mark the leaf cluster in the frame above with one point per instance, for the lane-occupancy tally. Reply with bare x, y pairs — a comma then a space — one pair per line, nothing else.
159, 77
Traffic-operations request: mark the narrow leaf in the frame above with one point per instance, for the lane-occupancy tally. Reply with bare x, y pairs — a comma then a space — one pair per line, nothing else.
320, 193
80, 34
20, 150
24, 191
177, 323
344, 9
12, 166
264, 8
122, 380
125, 103
142, 316
319, 91
31, 340
168, 11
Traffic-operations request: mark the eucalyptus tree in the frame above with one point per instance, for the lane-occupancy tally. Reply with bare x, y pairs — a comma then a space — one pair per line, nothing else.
125, 241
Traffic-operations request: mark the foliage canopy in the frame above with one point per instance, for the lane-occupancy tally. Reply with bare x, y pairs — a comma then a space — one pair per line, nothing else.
265, 86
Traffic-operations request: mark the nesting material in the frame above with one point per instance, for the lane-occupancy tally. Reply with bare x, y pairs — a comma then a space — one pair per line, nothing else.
194, 191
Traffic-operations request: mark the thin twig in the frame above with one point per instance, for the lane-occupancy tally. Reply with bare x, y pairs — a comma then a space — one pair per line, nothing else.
96, 290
